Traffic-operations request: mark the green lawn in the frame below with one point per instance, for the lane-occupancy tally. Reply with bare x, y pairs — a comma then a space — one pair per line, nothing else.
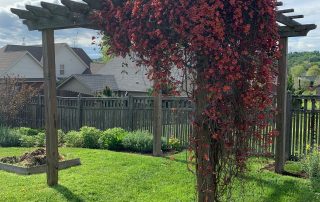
112, 176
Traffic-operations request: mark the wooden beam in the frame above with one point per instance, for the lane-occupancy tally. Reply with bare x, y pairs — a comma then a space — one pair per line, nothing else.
286, 20
279, 3
56, 9
50, 97
301, 30
76, 6
23, 14
157, 123
59, 22
281, 107
94, 4
38, 11
296, 16
117, 2
286, 11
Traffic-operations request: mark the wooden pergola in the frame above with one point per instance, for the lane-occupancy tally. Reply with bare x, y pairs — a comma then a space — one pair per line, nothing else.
71, 14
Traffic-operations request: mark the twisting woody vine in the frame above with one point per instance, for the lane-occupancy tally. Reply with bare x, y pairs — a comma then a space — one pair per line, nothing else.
229, 47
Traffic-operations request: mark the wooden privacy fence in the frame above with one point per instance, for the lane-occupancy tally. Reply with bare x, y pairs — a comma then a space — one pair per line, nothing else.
134, 113
130, 113
303, 124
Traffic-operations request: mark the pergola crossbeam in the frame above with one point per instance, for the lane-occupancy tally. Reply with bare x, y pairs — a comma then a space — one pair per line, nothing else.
279, 3
286, 11
56, 9
59, 22
39, 11
296, 16
75, 14
76, 6
23, 14
286, 20
94, 4
301, 30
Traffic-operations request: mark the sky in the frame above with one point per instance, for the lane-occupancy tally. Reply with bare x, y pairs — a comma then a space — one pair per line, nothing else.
12, 31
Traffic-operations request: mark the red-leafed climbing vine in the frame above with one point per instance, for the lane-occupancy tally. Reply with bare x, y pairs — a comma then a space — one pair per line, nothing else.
229, 48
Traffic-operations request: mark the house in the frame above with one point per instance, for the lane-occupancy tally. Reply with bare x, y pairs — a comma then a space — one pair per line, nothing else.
88, 85
130, 79
26, 62
120, 75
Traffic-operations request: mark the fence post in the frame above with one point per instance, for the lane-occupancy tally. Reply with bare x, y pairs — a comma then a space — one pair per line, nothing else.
288, 138
130, 113
312, 124
79, 114
38, 113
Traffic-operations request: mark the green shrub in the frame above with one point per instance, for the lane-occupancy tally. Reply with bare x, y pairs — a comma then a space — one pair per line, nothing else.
38, 140
311, 164
9, 137
61, 137
112, 139
74, 139
27, 141
140, 141
175, 144
28, 131
91, 137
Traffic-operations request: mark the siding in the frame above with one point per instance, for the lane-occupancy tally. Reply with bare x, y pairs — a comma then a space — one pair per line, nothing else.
27, 68
71, 62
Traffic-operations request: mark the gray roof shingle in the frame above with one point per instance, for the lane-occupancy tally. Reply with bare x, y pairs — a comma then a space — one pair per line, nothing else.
96, 83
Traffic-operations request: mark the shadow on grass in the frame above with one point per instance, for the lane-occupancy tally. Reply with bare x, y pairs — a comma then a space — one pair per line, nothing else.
176, 159
281, 190
67, 193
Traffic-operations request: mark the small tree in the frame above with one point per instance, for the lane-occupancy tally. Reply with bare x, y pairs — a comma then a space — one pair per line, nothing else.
15, 94
313, 71
228, 48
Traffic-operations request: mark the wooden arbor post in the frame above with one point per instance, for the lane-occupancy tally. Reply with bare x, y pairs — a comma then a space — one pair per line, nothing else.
281, 118
50, 97
157, 123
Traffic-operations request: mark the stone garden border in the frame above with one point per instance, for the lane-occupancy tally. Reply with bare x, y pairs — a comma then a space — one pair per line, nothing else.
38, 169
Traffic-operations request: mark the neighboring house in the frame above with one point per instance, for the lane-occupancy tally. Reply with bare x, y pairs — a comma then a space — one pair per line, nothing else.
26, 62
87, 85
130, 79
20, 64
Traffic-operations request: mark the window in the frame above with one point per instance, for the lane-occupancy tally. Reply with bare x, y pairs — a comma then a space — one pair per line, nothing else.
61, 69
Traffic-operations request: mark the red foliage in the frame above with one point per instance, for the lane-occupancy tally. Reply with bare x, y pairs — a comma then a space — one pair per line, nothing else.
230, 44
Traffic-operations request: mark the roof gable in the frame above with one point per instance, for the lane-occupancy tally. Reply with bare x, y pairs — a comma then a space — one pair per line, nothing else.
8, 60
36, 52
96, 83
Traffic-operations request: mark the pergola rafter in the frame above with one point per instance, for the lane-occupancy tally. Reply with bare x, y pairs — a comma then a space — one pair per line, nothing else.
79, 15
71, 14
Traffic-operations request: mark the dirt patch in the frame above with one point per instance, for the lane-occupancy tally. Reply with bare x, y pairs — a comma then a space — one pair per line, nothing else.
301, 174
29, 159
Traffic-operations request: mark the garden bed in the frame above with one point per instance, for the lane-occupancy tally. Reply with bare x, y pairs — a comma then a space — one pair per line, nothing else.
33, 163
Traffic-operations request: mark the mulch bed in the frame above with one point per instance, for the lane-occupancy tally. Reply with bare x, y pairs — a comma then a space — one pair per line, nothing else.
29, 159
